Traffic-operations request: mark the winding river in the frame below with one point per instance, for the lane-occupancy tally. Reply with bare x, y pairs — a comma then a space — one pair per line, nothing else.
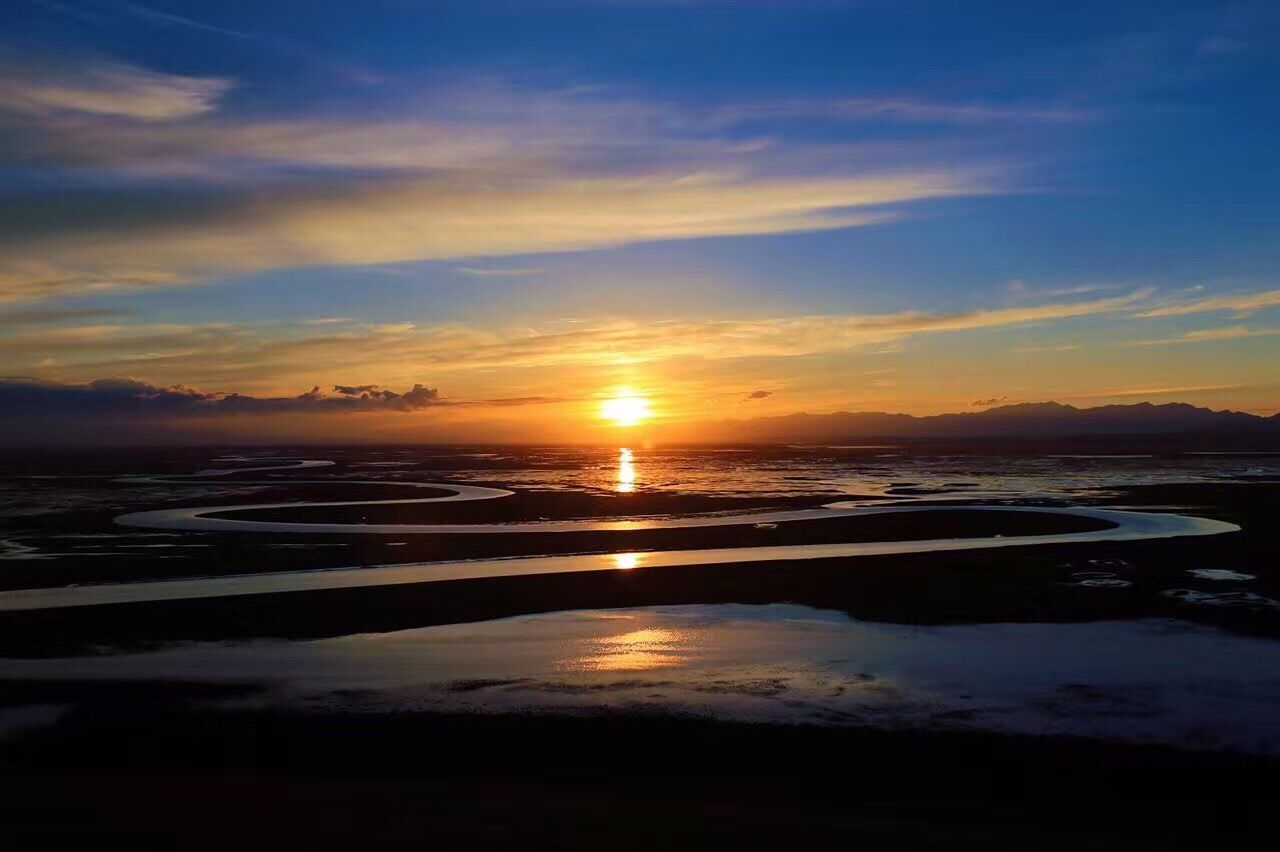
1126, 526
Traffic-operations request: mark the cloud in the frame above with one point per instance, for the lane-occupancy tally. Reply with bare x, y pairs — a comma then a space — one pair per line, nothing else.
988, 403
48, 316
1240, 303
760, 394
228, 355
1105, 393
1062, 347
499, 272
1207, 335
123, 410
918, 321
129, 398
130, 340
168, 19
1230, 332
97, 244
1082, 289
904, 109
513, 401
117, 90
159, 187
227, 148
459, 124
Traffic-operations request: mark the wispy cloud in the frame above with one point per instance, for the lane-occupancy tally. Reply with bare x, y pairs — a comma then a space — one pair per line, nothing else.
1157, 390
1060, 347
1207, 335
10, 320
1081, 289
499, 271
175, 237
117, 90
916, 110
161, 18
245, 354
464, 123
1240, 303
116, 15
181, 191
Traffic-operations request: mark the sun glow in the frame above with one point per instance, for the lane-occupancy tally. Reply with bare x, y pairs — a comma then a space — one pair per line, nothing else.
625, 408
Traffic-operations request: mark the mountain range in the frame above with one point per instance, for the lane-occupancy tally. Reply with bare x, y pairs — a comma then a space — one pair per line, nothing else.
1038, 420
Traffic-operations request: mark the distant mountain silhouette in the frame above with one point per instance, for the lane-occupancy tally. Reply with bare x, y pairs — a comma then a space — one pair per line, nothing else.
1035, 420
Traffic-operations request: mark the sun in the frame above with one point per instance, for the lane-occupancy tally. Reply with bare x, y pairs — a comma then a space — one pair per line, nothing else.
625, 408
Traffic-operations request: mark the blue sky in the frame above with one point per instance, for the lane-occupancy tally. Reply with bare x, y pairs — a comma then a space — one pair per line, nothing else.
241, 195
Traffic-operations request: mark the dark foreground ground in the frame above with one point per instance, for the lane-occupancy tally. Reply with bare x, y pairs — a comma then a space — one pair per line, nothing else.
140, 772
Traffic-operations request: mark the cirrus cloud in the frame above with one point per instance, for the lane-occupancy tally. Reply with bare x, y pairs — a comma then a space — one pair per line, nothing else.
114, 89
242, 355
1240, 304
160, 187
172, 237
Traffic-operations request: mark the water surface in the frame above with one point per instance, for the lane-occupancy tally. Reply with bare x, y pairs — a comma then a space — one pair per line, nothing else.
1142, 681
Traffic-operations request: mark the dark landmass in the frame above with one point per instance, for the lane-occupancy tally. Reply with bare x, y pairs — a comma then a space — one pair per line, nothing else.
151, 770
1034, 422
1035, 426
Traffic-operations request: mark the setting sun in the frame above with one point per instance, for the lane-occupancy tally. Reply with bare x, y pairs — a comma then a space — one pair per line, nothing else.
625, 409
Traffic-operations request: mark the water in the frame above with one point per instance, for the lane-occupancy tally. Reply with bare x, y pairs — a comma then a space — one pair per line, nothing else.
934, 479
1128, 526
1142, 681
45, 483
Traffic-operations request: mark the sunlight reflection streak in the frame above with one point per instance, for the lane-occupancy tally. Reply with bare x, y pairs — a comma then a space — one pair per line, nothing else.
626, 561
639, 650
626, 472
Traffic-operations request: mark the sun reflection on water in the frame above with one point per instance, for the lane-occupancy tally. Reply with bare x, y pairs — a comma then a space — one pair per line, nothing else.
626, 561
626, 482
638, 650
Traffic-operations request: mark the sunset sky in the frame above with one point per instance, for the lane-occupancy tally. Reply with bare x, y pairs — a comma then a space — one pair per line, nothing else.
528, 208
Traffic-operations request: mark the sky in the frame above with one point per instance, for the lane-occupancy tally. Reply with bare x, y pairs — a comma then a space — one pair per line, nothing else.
444, 220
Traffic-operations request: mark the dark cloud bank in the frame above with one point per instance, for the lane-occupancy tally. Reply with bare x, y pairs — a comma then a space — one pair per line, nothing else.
131, 398
123, 411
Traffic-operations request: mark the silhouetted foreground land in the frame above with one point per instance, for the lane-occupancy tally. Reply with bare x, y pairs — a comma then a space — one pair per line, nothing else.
137, 770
